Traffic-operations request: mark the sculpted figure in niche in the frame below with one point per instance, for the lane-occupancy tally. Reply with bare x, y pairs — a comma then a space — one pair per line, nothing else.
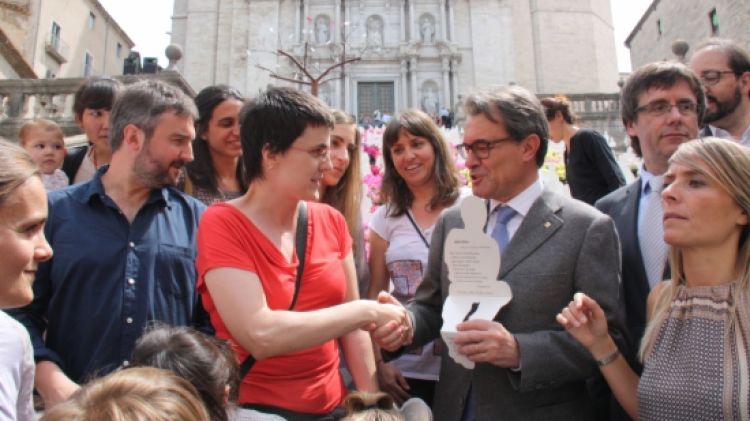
374, 32
459, 115
430, 102
322, 35
427, 30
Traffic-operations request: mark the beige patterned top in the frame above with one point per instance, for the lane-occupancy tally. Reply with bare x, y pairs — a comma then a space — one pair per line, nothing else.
697, 368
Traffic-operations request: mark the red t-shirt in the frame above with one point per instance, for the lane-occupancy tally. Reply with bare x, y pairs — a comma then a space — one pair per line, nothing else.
304, 381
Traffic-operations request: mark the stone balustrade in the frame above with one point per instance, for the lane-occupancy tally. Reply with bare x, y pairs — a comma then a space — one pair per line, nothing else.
600, 112
26, 99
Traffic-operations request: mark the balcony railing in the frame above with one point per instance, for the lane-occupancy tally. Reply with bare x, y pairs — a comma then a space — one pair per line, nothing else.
600, 112
57, 48
26, 99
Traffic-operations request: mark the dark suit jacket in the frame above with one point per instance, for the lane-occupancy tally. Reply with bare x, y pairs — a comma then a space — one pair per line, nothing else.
622, 206
73, 160
563, 246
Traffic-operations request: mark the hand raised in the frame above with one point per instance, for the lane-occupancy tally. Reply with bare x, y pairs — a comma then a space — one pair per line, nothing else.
585, 320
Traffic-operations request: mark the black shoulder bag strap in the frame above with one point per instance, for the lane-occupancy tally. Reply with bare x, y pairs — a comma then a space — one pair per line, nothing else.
301, 248
416, 228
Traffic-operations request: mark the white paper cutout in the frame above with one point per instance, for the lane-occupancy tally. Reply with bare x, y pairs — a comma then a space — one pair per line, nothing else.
473, 260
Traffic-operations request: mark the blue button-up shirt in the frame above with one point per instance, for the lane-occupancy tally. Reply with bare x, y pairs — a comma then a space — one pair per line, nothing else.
108, 278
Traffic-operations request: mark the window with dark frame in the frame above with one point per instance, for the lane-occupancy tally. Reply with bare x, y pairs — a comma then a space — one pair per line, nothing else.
658, 28
54, 36
713, 19
92, 20
88, 64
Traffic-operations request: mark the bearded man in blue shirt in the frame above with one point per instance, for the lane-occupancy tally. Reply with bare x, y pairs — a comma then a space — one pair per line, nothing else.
124, 246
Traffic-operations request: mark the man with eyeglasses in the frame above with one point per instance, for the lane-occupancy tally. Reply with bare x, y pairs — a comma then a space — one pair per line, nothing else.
552, 247
724, 69
661, 107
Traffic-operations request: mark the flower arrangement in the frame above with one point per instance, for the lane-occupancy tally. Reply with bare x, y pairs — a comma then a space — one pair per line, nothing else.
371, 137
553, 161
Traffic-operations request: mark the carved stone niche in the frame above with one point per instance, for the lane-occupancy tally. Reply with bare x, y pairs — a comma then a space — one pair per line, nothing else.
322, 29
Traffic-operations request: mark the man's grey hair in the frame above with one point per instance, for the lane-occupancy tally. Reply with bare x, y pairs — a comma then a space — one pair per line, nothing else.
515, 107
142, 105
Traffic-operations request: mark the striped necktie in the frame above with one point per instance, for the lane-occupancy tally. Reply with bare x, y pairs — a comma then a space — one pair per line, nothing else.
651, 233
500, 232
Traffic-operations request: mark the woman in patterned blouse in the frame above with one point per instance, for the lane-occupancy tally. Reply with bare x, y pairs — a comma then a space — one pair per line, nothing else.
695, 349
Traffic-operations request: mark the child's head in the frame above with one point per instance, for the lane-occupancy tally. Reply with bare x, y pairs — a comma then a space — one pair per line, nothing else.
43, 140
142, 393
361, 406
208, 363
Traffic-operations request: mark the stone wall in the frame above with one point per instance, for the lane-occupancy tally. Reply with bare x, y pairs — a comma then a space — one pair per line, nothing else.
689, 21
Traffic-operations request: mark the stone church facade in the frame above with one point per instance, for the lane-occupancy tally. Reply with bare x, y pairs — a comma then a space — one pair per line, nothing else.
413, 53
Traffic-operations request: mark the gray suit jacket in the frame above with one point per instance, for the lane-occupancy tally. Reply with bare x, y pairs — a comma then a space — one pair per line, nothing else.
562, 246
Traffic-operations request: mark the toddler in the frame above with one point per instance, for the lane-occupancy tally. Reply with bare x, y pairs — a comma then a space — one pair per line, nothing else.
43, 140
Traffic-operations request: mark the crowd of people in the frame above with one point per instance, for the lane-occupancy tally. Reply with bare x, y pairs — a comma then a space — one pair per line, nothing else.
205, 259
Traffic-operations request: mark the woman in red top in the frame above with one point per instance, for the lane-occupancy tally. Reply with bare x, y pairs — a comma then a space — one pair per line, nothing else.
247, 265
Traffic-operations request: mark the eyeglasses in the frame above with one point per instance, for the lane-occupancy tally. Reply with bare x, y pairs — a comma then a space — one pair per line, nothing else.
480, 148
321, 152
660, 108
712, 77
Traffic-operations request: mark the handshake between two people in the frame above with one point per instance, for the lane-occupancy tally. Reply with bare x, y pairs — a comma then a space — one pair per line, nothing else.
481, 341
392, 328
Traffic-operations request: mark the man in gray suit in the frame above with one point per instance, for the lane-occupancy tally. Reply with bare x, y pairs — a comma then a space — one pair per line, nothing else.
661, 106
527, 368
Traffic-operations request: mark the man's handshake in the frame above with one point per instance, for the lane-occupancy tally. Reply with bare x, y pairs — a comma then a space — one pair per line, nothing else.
392, 329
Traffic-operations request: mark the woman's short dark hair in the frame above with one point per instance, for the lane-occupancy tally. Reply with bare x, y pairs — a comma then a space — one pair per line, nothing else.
275, 119
394, 190
201, 170
558, 104
207, 363
96, 93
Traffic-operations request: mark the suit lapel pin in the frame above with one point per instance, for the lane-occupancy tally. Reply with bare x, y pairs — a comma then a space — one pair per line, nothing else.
547, 224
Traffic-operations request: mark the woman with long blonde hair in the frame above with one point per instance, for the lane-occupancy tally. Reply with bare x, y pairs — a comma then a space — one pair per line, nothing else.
341, 187
695, 349
23, 212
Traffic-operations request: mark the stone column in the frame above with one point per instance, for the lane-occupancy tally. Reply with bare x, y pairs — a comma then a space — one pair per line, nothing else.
451, 26
412, 20
404, 85
445, 70
336, 97
414, 99
443, 26
297, 27
306, 23
337, 25
454, 74
402, 18
347, 93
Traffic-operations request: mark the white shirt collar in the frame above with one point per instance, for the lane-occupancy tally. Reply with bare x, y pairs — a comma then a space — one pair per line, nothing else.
719, 132
524, 200
646, 178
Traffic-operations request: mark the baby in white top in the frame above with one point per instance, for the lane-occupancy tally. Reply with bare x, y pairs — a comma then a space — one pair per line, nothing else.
43, 140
